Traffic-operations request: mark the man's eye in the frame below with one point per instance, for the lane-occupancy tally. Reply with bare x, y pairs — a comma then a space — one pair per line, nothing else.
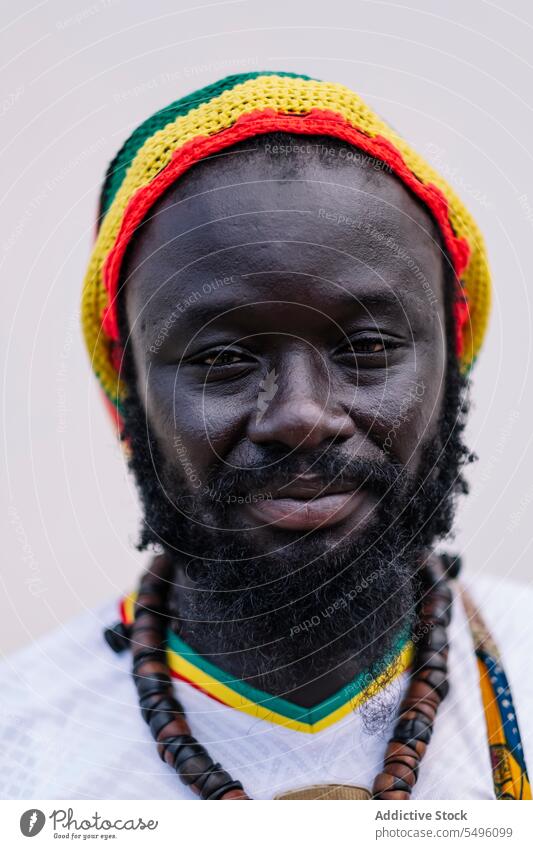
369, 346
220, 358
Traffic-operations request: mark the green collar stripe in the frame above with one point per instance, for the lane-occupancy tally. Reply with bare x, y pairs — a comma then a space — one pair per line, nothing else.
276, 703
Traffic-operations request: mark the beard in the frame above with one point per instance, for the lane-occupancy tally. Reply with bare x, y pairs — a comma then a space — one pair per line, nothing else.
283, 618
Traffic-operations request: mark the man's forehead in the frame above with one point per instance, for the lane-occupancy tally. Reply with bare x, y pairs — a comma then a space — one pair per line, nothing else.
217, 191
242, 218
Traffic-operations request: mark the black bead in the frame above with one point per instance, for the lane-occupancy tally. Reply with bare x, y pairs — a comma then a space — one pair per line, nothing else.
149, 585
193, 749
150, 703
141, 612
158, 626
174, 744
192, 769
162, 715
409, 731
145, 656
431, 576
222, 789
438, 681
435, 639
157, 682
430, 660
414, 769
452, 564
438, 612
398, 784
213, 781
118, 637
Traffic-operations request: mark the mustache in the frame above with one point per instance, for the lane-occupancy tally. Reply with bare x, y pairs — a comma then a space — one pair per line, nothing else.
267, 473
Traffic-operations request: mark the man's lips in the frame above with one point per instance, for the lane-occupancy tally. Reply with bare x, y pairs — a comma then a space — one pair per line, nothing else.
307, 503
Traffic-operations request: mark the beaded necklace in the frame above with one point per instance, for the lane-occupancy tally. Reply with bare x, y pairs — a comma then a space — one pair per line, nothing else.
144, 630
180, 750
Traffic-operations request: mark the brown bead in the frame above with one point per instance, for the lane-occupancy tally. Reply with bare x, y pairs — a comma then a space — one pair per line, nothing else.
427, 659
437, 610
393, 796
385, 782
149, 600
420, 748
424, 707
234, 794
397, 751
147, 637
169, 747
406, 715
437, 680
418, 689
435, 639
149, 667
415, 748
172, 729
401, 771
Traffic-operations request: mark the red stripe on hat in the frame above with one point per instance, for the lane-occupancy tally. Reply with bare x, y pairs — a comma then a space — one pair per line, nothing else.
317, 121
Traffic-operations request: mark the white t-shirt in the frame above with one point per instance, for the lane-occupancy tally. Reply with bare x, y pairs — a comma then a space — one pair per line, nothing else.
71, 728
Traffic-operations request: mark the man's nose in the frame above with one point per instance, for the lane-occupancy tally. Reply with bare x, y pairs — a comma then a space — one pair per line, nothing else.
299, 409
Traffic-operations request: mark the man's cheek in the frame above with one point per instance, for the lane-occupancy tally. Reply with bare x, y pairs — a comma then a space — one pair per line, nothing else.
180, 458
408, 420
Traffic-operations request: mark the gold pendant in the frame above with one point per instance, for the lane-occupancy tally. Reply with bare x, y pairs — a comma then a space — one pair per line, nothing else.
327, 791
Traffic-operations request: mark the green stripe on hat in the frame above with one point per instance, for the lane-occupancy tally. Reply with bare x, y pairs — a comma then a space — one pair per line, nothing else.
122, 161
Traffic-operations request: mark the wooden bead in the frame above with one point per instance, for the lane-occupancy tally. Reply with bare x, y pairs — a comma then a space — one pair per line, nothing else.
430, 660
385, 783
163, 717
397, 750
169, 747
393, 796
215, 782
147, 637
407, 762
149, 601
118, 637
140, 654
146, 667
150, 703
451, 564
156, 683
426, 708
437, 680
419, 689
435, 639
438, 610
237, 793
402, 771
174, 727
408, 715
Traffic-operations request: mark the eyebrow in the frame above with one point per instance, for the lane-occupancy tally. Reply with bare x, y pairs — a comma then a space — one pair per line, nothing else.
204, 313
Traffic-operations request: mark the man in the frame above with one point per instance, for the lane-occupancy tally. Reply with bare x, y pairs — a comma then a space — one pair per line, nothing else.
282, 308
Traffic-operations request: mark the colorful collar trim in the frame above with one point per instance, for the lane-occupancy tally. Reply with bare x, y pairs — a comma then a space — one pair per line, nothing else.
186, 664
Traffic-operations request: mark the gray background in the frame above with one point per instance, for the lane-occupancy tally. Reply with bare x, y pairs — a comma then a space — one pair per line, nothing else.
454, 77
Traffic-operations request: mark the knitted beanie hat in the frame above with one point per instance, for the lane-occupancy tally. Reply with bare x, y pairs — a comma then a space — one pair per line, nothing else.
235, 108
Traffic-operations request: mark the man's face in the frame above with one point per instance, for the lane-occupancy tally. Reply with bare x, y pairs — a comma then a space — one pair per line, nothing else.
287, 323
